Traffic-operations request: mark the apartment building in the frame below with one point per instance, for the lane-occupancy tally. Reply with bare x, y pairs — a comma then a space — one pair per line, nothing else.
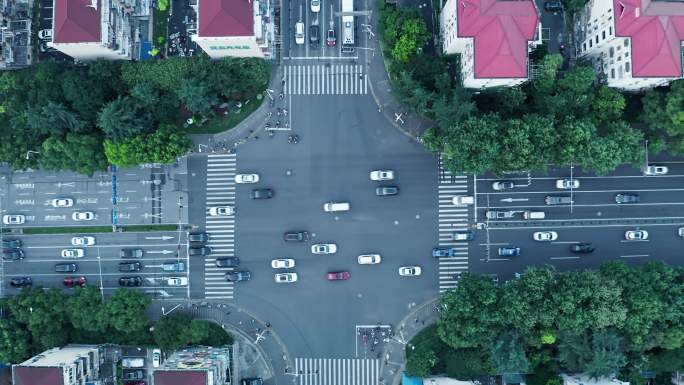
634, 44
15, 34
69, 365
239, 28
195, 366
93, 29
493, 38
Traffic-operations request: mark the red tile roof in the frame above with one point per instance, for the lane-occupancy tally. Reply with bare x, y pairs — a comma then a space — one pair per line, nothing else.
501, 31
218, 18
180, 377
656, 29
76, 21
35, 375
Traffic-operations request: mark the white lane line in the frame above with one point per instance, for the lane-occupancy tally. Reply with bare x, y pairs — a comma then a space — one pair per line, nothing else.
564, 258
634, 256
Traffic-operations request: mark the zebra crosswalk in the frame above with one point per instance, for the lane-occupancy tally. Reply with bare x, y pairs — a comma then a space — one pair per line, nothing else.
452, 218
221, 170
337, 371
333, 79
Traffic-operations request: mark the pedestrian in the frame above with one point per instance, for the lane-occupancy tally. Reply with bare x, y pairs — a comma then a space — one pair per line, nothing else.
268, 324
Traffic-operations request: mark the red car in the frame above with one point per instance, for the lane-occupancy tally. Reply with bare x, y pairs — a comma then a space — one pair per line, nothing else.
338, 276
75, 281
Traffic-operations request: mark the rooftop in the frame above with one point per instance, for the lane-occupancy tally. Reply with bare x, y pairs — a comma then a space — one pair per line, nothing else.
37, 376
656, 29
77, 21
501, 30
219, 18
180, 377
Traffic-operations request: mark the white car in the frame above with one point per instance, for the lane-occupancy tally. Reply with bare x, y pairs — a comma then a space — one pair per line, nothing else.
83, 216
177, 281
45, 34
221, 211
462, 200
382, 175
156, 357
315, 6
73, 253
324, 248
13, 219
680, 231
283, 263
565, 184
83, 241
653, 169
369, 259
503, 185
62, 202
299, 33
636, 235
410, 271
246, 178
286, 277
545, 236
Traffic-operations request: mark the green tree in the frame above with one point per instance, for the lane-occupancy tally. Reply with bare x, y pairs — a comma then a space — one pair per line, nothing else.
44, 314
412, 94
621, 144
420, 364
507, 353
472, 145
572, 6
453, 107
122, 119
413, 35
85, 308
607, 356
608, 105
574, 138
122, 312
172, 332
465, 364
666, 360
81, 153
54, 119
545, 81
14, 342
163, 146
197, 96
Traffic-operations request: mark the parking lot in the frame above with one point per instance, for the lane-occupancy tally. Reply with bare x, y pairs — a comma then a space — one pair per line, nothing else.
593, 217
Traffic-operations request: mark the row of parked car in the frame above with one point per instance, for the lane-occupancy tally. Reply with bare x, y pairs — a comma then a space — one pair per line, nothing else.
78, 216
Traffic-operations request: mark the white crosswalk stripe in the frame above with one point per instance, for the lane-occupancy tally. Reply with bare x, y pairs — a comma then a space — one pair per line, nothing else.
333, 79
337, 371
221, 170
450, 219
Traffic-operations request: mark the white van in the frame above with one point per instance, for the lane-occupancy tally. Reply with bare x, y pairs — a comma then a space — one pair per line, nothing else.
463, 200
534, 215
336, 206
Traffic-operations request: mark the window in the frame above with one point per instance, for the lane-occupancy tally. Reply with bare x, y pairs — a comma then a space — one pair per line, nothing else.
612, 73
589, 43
626, 42
604, 35
627, 68
584, 46
610, 31
596, 39
611, 52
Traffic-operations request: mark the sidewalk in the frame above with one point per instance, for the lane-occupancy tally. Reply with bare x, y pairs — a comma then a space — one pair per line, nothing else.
394, 357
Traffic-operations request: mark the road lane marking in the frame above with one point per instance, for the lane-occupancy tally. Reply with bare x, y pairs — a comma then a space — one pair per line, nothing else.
564, 258
634, 256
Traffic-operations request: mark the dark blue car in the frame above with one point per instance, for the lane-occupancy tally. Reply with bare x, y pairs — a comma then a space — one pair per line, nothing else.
509, 251
440, 252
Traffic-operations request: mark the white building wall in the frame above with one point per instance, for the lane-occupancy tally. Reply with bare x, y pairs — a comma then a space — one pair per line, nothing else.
219, 47
89, 51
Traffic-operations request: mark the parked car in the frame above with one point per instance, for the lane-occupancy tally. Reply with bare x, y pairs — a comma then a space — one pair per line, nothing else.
246, 178
553, 6
65, 267
545, 236
13, 219
173, 266
75, 281
198, 237
21, 281
465, 235
314, 33
382, 175
130, 281
653, 169
130, 362
680, 231
553, 200
129, 266
73, 253
509, 251
296, 236
12, 254
45, 34
315, 6
338, 276
221, 211
62, 202
83, 241
11, 243
237, 276
262, 193
199, 251
330, 38
286, 277
410, 271
496, 214
83, 216
324, 248
283, 263
626, 198
369, 259
565, 184
636, 235
582, 248
227, 262
177, 281
131, 253
442, 252
331, 207
156, 357
133, 375
503, 185
386, 190
299, 33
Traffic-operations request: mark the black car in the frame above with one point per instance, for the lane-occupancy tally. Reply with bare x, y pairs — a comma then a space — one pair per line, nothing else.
296, 236
130, 281
12, 254
626, 198
11, 243
195, 251
252, 381
129, 266
21, 281
262, 193
237, 276
314, 32
553, 6
66, 267
386, 190
227, 262
198, 237
582, 248
131, 253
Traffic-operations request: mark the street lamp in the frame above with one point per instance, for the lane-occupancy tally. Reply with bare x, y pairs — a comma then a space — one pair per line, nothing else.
29, 152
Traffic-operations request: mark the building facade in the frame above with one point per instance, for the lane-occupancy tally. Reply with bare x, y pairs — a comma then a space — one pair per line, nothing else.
93, 29
634, 44
493, 38
195, 366
238, 28
70, 365
15, 33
